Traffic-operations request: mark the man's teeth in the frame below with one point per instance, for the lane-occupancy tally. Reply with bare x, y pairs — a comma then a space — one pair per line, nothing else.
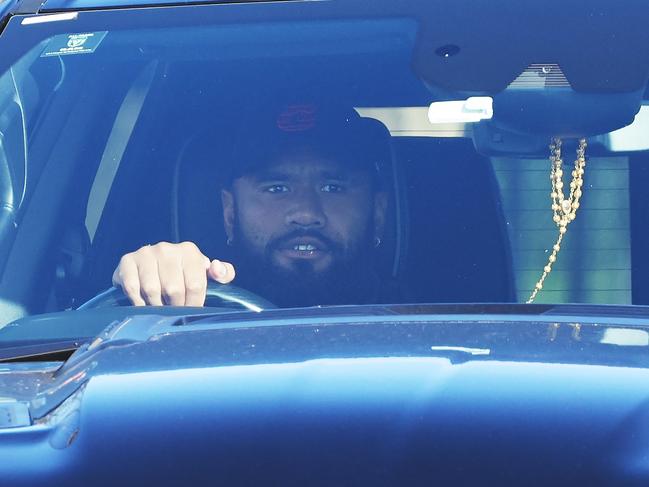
304, 247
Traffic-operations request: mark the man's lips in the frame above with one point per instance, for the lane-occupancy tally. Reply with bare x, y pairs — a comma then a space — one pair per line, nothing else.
303, 248
304, 244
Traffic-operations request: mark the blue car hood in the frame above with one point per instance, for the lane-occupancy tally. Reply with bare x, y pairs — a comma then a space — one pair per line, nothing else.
416, 398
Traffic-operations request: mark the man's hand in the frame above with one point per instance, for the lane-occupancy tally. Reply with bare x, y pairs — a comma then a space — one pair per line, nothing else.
167, 273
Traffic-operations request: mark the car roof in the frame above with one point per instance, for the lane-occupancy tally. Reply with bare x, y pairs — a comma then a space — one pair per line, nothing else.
610, 59
36, 6
96, 4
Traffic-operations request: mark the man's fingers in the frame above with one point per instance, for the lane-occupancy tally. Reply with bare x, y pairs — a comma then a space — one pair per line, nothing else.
150, 287
222, 272
167, 273
126, 277
194, 267
172, 280
230, 272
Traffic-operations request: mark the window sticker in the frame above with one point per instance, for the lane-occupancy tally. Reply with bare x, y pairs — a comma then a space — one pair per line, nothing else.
66, 44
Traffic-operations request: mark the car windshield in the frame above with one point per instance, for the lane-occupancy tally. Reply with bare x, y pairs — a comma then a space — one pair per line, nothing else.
312, 149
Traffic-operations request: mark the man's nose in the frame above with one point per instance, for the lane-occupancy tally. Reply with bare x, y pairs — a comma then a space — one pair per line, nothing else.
306, 211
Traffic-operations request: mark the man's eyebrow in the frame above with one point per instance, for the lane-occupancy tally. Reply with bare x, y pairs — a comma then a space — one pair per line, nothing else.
340, 175
278, 175
270, 175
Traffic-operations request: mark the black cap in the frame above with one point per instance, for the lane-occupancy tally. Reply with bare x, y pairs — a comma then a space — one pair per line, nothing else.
337, 133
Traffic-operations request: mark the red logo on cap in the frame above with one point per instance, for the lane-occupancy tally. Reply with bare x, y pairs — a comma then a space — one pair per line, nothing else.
297, 118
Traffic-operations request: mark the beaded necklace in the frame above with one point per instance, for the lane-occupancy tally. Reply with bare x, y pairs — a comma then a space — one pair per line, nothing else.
564, 209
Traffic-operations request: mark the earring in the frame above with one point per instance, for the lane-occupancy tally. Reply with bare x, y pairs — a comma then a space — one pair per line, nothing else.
377, 241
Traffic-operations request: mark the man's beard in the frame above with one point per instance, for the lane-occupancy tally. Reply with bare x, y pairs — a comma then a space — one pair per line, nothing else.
348, 280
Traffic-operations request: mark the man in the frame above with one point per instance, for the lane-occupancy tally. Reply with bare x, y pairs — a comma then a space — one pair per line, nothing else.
303, 210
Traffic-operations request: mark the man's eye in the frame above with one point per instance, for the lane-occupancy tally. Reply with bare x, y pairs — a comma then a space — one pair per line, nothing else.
277, 188
332, 188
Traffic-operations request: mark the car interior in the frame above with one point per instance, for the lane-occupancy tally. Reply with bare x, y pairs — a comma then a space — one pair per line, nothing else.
420, 243
126, 147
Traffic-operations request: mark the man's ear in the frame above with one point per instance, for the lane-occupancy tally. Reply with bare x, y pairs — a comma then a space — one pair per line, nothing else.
227, 200
380, 211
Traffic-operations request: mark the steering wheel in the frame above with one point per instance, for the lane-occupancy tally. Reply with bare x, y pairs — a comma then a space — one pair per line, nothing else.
228, 295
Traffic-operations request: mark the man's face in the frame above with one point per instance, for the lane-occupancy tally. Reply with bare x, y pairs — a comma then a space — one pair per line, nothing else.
305, 216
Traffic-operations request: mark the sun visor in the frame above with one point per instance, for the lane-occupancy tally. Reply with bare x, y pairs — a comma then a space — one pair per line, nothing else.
601, 46
560, 68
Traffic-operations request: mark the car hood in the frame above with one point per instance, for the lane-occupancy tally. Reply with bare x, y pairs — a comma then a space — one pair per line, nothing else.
341, 398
